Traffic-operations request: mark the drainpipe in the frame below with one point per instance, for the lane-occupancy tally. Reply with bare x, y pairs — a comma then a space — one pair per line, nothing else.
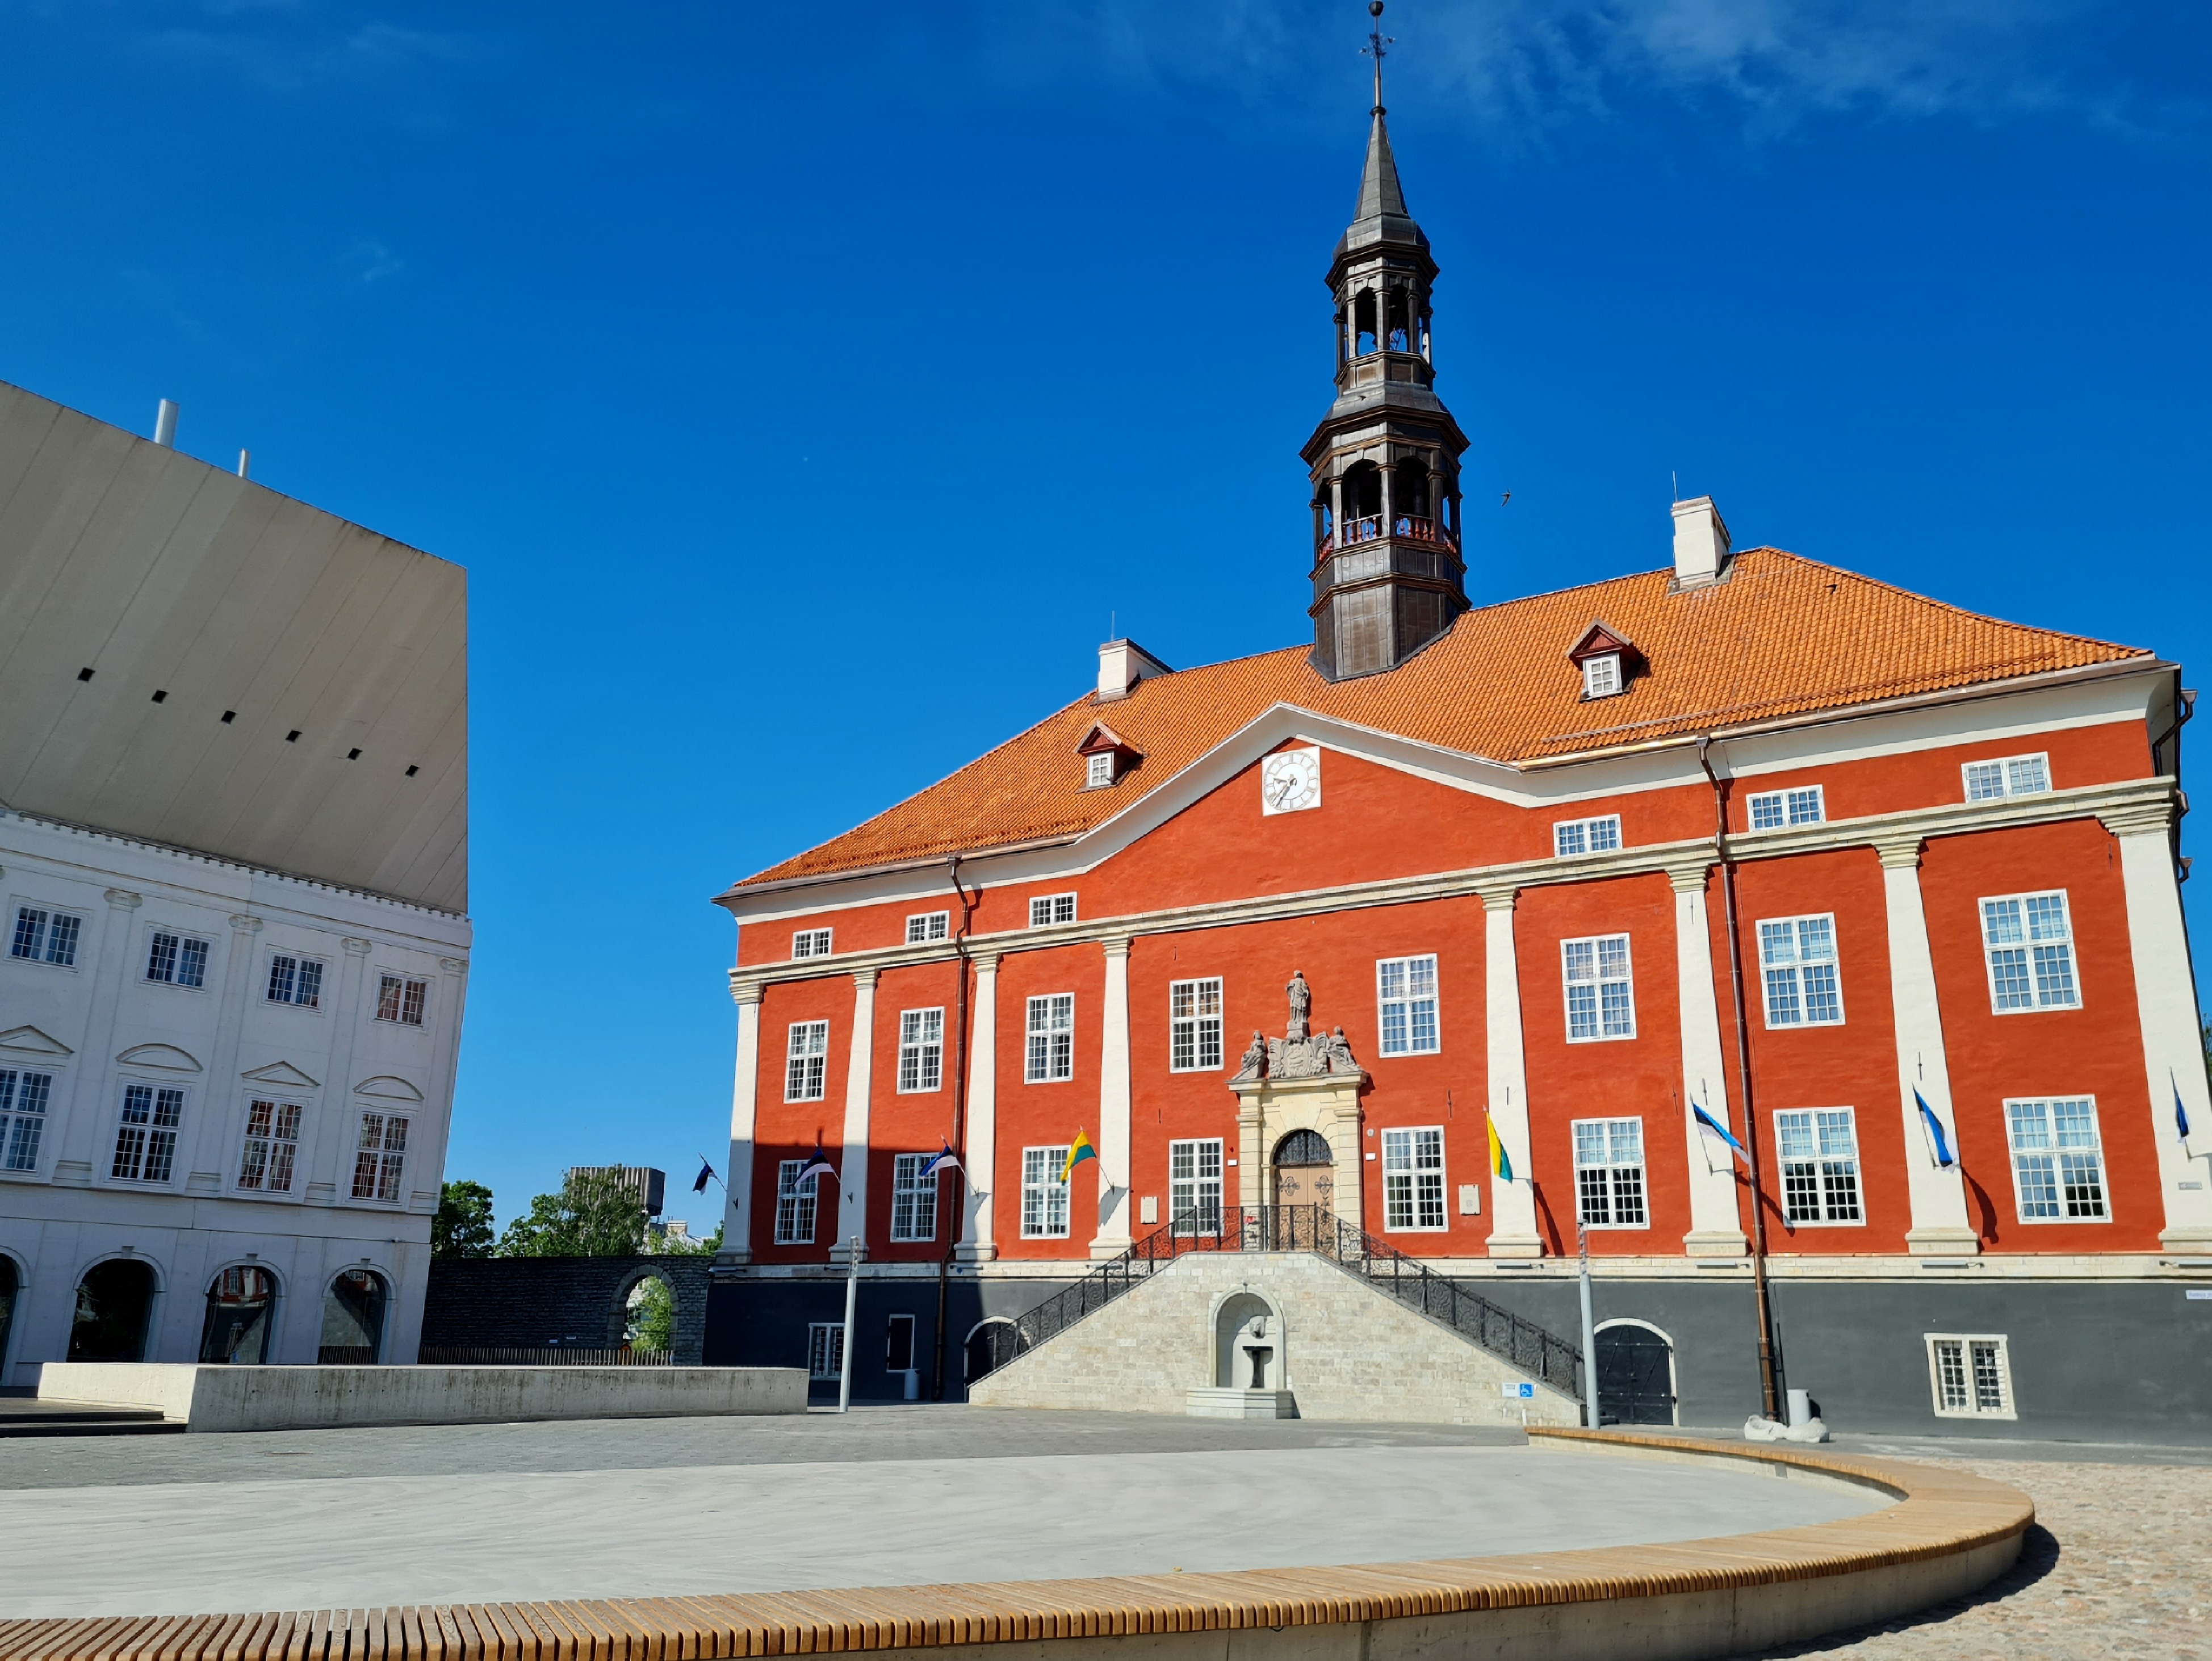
959, 1138
1768, 1394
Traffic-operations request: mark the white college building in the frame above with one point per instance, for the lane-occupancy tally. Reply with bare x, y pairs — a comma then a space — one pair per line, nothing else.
235, 947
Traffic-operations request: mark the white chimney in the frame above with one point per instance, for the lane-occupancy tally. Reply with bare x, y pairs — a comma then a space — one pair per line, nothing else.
1701, 542
165, 424
1122, 664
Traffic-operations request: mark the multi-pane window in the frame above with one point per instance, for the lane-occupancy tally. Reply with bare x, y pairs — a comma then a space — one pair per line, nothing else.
1050, 1058
928, 926
1194, 1186
1195, 1026
914, 1198
1602, 675
272, 1147
1046, 908
1609, 1172
1098, 769
23, 1098
401, 1000
1413, 1179
295, 981
1771, 810
45, 936
807, 1062
825, 1348
1797, 956
794, 1204
1044, 1193
810, 943
1971, 1377
378, 1156
1818, 1151
921, 1050
2013, 776
176, 959
2057, 1160
1601, 988
146, 1139
1598, 836
2029, 941
1405, 990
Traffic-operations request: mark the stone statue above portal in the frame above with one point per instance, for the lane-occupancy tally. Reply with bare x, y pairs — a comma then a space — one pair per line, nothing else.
1255, 1064
1301, 997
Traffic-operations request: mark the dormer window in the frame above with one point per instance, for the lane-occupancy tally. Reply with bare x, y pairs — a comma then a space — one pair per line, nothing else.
1106, 756
1099, 768
1606, 659
1602, 675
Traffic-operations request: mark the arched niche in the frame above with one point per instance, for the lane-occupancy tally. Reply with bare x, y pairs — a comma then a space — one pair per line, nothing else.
1249, 1350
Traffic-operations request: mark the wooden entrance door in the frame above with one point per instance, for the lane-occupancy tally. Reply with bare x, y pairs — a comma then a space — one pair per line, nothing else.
1306, 1169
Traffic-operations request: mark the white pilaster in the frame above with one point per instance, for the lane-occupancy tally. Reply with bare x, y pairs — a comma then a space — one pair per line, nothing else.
1112, 1237
91, 1113
744, 1098
1940, 1225
859, 1078
2165, 1006
333, 1133
1512, 1205
1715, 1222
979, 1158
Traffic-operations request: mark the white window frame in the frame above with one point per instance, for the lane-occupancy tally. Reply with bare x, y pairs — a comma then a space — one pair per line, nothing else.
1401, 1003
1620, 1191
416, 985
2006, 777
1046, 910
1795, 971
1049, 1039
379, 1159
1598, 981
1819, 1166
277, 1144
1097, 770
2055, 1148
1044, 1196
1963, 1347
922, 1051
806, 1061
2030, 949
22, 1126
1194, 1185
810, 942
179, 939
1572, 838
1193, 1027
1601, 676
1411, 1185
161, 1097
794, 1201
298, 984
1785, 807
925, 926
44, 943
913, 1199
825, 1351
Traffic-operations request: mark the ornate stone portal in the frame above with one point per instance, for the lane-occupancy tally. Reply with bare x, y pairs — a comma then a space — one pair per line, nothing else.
1300, 1081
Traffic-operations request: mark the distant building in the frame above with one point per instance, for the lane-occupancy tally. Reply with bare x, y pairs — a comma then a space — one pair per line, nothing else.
650, 1186
234, 857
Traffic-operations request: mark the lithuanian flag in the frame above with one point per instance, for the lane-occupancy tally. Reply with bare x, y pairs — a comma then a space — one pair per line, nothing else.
1500, 1166
1078, 1152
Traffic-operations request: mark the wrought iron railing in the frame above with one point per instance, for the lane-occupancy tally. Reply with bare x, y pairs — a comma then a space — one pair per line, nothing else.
564, 1355
1314, 1228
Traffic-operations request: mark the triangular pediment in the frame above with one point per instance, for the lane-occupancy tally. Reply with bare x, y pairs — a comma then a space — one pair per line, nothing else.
1599, 639
165, 1057
29, 1041
1101, 737
280, 1072
388, 1088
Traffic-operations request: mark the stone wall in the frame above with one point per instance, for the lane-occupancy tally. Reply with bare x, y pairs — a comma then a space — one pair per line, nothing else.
1349, 1352
567, 1302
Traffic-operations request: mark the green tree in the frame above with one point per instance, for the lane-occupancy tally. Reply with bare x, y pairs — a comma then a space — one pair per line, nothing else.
462, 1227
660, 1246
595, 1214
652, 1323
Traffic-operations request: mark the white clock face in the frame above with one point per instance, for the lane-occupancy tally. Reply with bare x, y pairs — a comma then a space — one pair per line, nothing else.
1290, 780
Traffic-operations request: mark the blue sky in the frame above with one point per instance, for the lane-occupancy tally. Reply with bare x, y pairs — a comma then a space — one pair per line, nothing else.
805, 388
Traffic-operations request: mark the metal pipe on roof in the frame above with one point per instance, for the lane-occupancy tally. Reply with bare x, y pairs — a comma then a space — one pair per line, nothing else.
244, 456
164, 423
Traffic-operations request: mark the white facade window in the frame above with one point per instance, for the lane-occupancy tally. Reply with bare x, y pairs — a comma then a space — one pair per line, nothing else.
1044, 1196
1797, 961
1601, 988
928, 926
23, 1098
146, 1139
807, 1062
1046, 910
1413, 1179
914, 1198
401, 999
2057, 1160
1050, 1057
810, 943
174, 959
1405, 997
271, 1152
295, 981
1598, 836
1771, 810
1970, 1377
794, 1204
1194, 1186
2011, 776
1609, 1173
1097, 770
2029, 941
1195, 1026
1818, 1149
44, 935
921, 1050
1602, 675
379, 1156
825, 1346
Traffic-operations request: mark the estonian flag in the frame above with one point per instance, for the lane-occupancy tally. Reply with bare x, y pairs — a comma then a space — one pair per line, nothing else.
706, 1176
1713, 1127
814, 1169
1937, 1142
1078, 1152
944, 1159
1500, 1166
2180, 1113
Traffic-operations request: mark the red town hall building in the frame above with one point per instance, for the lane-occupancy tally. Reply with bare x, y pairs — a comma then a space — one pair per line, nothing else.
1886, 890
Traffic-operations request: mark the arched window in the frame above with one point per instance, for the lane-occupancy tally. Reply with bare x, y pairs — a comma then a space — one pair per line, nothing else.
353, 1319
113, 1301
1305, 1147
1363, 323
242, 1310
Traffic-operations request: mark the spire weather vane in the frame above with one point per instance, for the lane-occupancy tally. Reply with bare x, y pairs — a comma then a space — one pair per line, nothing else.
1377, 47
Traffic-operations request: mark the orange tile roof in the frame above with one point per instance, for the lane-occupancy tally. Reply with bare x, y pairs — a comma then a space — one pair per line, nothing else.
1782, 636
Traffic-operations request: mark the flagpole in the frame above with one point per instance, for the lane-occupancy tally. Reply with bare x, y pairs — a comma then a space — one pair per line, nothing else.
845, 1355
1589, 1331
